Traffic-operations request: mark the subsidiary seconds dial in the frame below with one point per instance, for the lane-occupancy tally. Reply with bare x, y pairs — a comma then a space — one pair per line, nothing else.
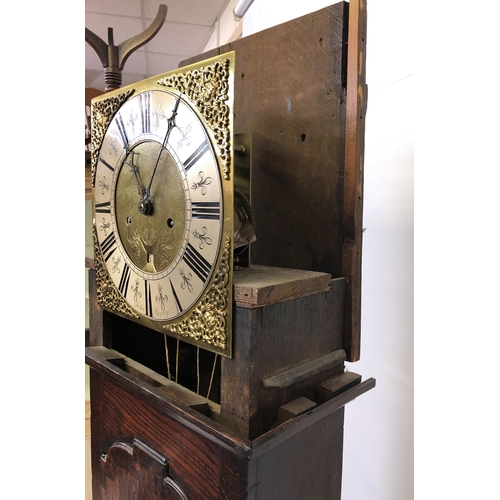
158, 204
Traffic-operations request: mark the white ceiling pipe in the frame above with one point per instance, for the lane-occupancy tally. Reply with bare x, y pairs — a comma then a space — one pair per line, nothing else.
241, 8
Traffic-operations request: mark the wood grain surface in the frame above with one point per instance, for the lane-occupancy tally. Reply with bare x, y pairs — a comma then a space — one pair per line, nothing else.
303, 100
257, 286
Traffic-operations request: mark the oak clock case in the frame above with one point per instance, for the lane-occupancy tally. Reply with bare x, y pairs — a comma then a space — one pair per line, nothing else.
163, 201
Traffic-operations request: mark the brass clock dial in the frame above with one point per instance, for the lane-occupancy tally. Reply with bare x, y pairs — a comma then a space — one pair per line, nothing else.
163, 198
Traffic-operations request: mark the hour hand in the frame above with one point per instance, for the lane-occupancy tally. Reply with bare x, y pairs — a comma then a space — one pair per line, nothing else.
133, 168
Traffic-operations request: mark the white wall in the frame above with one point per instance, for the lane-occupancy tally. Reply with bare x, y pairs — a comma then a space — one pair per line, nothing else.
378, 459
378, 453
226, 28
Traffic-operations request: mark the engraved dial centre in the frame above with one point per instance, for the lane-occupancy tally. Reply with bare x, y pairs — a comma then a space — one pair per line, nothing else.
151, 232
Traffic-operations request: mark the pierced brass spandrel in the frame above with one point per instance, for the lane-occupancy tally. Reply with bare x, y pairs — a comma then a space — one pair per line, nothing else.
208, 322
102, 114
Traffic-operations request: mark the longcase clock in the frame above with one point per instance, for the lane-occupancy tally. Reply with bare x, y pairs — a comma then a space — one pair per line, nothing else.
210, 379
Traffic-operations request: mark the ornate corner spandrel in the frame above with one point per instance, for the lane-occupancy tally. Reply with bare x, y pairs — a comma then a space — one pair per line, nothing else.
207, 88
106, 292
208, 322
102, 114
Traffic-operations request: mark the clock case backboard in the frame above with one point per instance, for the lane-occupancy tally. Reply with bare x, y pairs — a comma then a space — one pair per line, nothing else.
305, 113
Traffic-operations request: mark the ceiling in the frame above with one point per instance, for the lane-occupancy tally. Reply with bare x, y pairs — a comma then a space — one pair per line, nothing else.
186, 32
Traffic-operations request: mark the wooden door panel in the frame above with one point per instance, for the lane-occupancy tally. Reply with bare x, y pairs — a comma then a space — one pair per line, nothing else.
137, 472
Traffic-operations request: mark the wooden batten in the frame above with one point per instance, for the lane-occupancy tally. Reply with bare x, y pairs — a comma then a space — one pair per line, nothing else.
352, 224
304, 371
257, 286
295, 408
335, 386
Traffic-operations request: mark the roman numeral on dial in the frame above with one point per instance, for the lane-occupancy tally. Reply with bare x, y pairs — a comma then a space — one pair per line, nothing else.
103, 208
104, 162
147, 298
121, 129
179, 307
202, 149
145, 112
108, 246
197, 263
206, 210
123, 286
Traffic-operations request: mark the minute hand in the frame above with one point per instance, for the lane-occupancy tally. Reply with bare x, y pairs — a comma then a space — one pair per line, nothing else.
171, 125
